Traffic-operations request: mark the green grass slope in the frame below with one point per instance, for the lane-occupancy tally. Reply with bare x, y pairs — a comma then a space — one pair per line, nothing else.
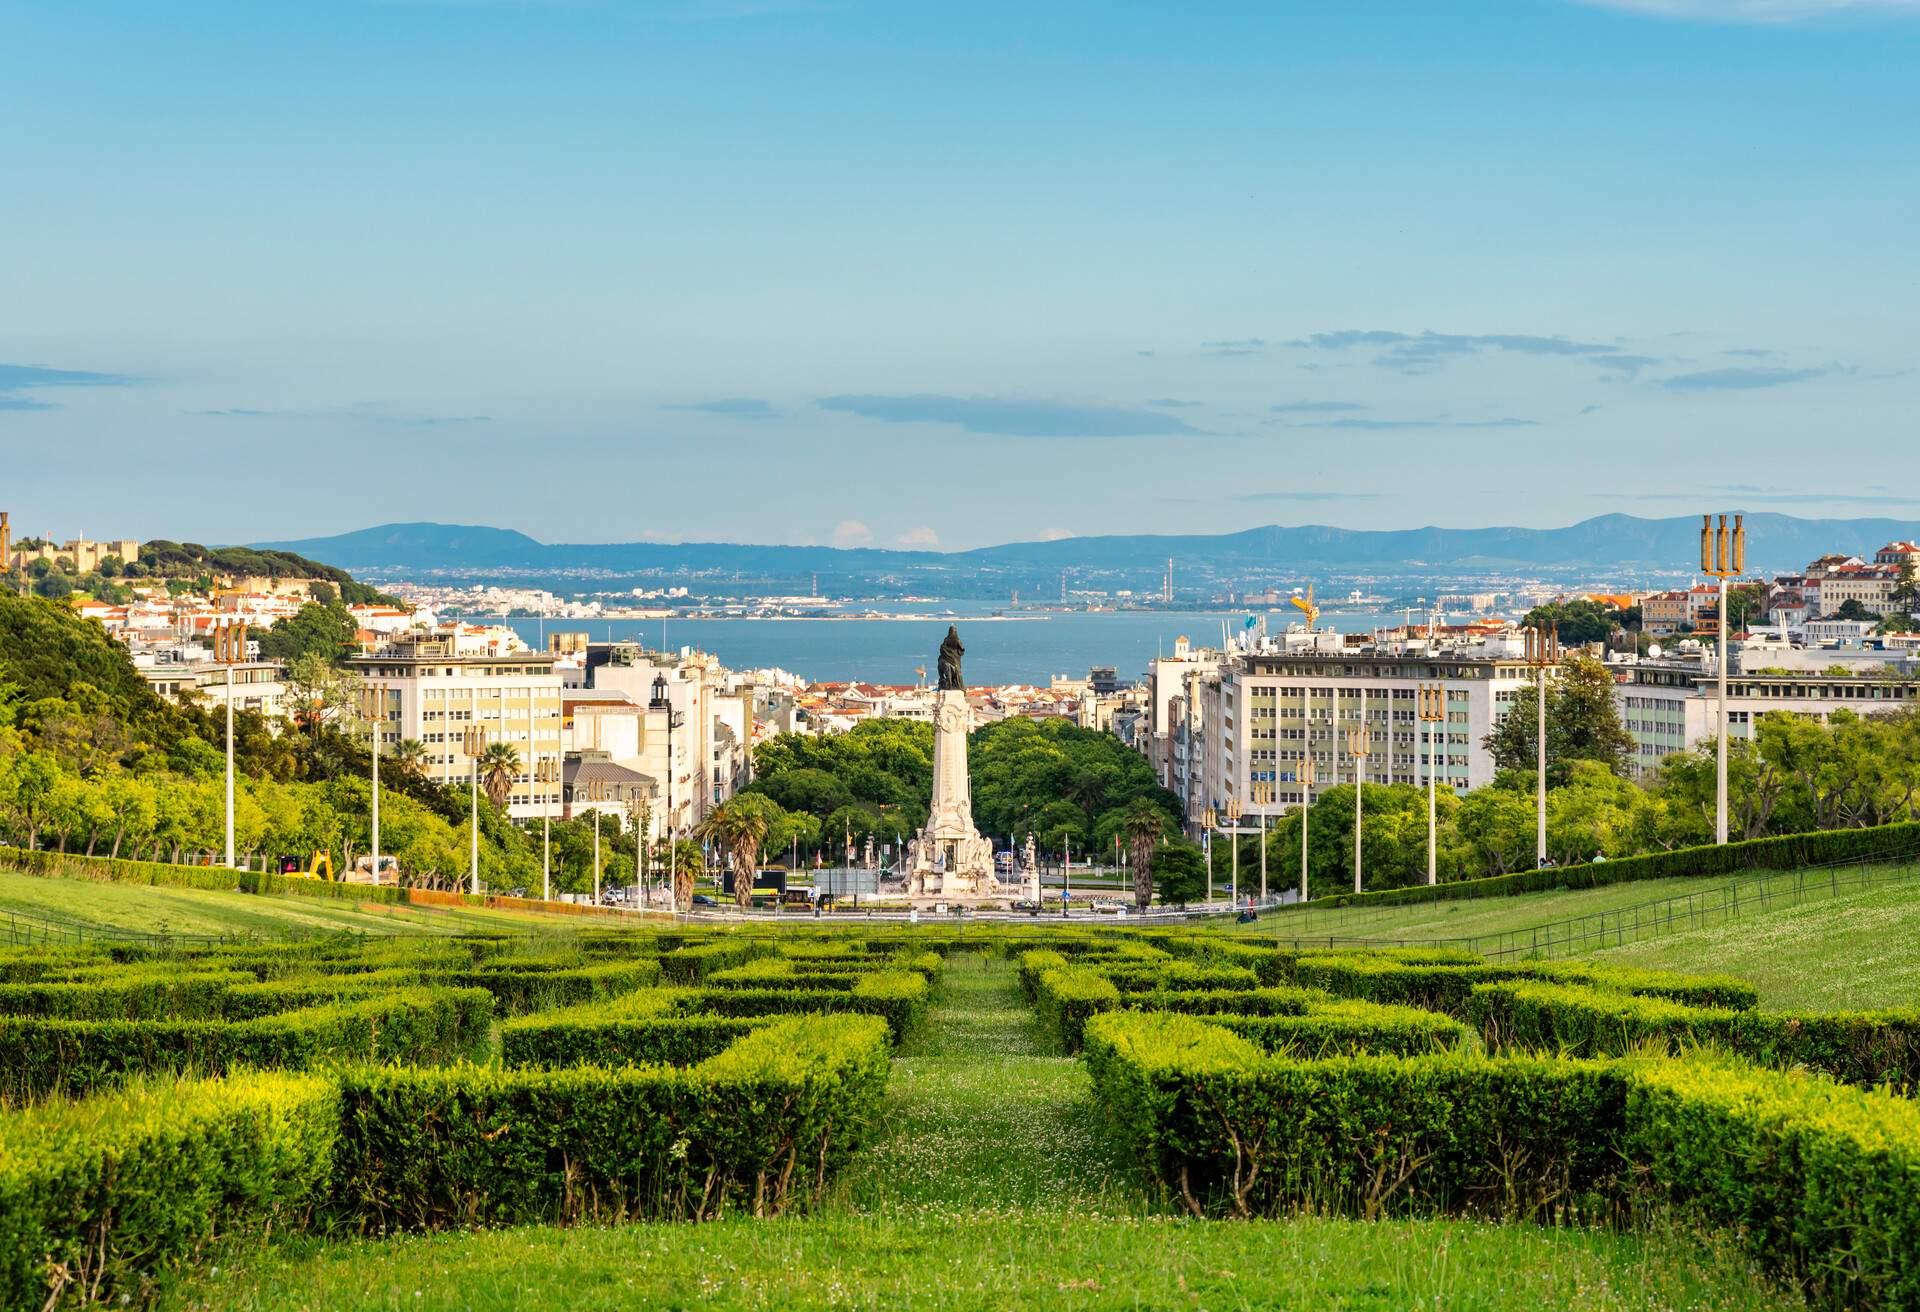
144, 909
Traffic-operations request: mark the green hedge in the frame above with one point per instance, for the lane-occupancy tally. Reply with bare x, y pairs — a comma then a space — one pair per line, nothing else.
1865, 1048
1034, 963
1067, 996
584, 1038
1897, 842
900, 997
1175, 976
518, 990
40, 1056
1819, 1181
163, 875
1224, 1127
138, 996
1379, 977
1277, 1001
104, 1199
1339, 1028
695, 961
759, 1128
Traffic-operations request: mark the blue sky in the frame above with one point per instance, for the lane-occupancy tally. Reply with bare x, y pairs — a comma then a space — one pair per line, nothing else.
953, 274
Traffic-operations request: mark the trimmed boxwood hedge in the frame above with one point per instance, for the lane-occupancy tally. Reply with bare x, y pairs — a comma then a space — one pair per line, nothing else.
1068, 995
40, 1056
520, 988
101, 1200
584, 1037
1379, 977
1223, 1126
899, 996
1337, 1028
141, 996
759, 1128
161, 874
1867, 1048
1819, 1181
696, 961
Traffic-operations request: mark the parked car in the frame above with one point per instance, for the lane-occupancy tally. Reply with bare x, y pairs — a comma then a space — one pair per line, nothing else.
702, 900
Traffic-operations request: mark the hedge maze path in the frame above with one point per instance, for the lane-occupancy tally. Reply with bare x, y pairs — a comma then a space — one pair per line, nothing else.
983, 1114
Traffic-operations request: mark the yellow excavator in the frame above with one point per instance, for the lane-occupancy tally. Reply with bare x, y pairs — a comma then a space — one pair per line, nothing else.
1307, 607
319, 866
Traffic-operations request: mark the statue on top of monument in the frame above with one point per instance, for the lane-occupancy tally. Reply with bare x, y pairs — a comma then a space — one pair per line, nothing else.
950, 653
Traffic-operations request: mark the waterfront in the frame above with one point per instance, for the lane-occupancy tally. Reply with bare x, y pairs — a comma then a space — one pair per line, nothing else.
1026, 647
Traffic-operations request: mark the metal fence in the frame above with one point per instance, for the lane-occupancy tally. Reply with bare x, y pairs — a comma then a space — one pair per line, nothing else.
24, 930
1696, 909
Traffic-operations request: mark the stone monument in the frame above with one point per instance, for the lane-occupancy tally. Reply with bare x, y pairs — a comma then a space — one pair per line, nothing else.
949, 860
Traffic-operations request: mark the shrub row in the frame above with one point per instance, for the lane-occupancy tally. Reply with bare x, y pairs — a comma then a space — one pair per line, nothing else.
161, 874
1867, 1048
759, 1127
520, 989
1224, 1126
1819, 1180
1068, 996
589, 1037
696, 961
40, 1056
134, 996
1349, 1027
101, 1199
1377, 977
900, 997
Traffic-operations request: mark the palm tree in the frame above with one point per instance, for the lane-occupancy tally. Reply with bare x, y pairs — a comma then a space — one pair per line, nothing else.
688, 865
740, 825
1144, 824
499, 763
409, 757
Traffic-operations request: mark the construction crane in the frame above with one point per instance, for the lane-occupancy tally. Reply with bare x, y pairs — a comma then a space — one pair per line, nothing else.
1307, 607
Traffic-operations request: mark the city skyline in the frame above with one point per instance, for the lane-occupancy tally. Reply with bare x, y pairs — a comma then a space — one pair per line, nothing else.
782, 273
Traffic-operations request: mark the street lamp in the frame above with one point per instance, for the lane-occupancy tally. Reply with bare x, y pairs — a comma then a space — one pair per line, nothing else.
373, 709
1233, 827
474, 743
1206, 847
1263, 798
229, 648
1305, 775
1723, 555
546, 774
1359, 745
1543, 653
1432, 699
674, 719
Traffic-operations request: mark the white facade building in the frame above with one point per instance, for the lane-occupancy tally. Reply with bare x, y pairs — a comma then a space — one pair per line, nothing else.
436, 687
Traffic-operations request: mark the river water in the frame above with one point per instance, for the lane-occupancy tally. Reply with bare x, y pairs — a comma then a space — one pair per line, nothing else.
1022, 648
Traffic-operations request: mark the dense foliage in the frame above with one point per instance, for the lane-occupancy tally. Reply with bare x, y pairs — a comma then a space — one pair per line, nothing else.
1064, 784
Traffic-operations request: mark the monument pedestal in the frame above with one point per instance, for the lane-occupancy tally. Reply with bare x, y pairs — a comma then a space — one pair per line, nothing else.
949, 861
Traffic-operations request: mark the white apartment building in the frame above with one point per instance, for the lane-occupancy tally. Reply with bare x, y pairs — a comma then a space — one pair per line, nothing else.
436, 687
257, 685
1670, 708
1271, 711
712, 731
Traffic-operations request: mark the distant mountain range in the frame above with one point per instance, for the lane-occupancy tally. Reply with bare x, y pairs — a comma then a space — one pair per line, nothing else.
1602, 544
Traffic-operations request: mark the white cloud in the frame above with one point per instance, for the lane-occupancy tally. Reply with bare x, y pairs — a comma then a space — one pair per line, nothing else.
851, 533
918, 537
1055, 535
1760, 11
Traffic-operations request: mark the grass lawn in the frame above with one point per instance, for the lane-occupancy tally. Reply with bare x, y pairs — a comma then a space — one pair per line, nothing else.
1858, 950
992, 1185
1477, 916
151, 910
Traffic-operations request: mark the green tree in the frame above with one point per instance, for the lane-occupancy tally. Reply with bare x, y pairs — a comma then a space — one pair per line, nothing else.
1144, 826
327, 632
741, 825
1179, 871
1583, 723
499, 764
